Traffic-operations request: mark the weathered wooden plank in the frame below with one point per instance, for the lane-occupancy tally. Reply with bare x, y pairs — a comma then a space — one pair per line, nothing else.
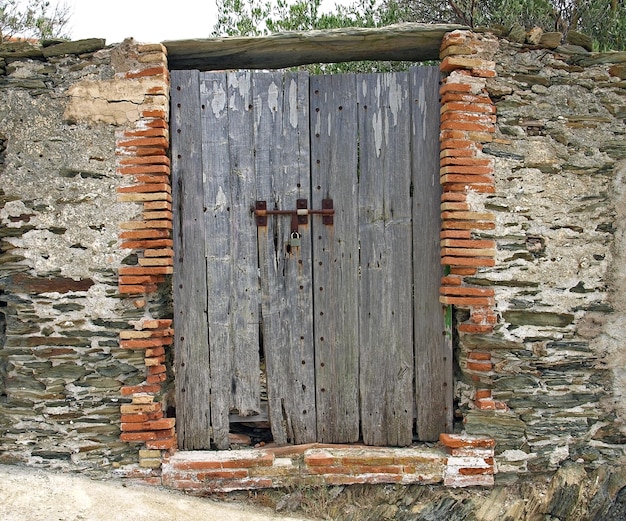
433, 354
244, 281
191, 342
282, 173
407, 41
385, 307
335, 257
230, 244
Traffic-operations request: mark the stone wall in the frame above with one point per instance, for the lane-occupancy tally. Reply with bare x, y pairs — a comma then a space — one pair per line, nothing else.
64, 111
533, 160
545, 377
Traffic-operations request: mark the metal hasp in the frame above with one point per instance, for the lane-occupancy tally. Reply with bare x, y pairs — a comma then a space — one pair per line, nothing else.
300, 215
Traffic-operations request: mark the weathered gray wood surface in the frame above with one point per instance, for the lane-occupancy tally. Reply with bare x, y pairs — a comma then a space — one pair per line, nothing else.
335, 257
407, 41
433, 355
386, 315
193, 385
282, 175
350, 318
245, 390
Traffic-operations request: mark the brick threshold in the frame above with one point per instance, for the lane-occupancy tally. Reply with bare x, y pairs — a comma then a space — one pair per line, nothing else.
469, 463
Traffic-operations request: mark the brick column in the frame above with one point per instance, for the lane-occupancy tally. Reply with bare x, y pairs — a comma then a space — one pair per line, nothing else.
468, 119
142, 157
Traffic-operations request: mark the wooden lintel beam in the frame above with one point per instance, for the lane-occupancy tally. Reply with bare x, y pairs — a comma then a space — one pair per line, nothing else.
401, 42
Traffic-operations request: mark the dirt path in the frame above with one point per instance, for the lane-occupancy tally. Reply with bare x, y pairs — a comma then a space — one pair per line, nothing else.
37, 495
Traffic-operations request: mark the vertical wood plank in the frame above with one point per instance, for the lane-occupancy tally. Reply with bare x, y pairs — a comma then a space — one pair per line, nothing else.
335, 257
385, 306
191, 344
244, 277
433, 354
231, 249
282, 173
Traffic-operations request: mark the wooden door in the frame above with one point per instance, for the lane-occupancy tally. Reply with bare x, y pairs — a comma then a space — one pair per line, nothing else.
345, 320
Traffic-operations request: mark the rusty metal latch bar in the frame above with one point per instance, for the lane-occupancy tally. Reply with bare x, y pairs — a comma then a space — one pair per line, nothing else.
298, 216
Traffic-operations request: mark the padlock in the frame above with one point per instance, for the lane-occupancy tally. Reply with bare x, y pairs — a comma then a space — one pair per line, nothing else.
294, 240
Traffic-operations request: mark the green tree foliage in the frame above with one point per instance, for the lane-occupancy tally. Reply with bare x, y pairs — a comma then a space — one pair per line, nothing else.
602, 20
260, 17
33, 19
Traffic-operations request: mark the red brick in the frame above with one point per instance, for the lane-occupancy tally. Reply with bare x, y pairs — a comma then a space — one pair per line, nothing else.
468, 225
145, 270
152, 425
146, 343
453, 196
468, 126
142, 279
481, 108
145, 160
475, 328
151, 71
222, 474
482, 393
452, 134
467, 261
485, 404
459, 440
154, 113
145, 168
156, 378
475, 472
456, 143
157, 369
466, 97
468, 179
135, 389
467, 291
148, 244
157, 123
464, 271
457, 152
471, 243
451, 281
164, 444
447, 206
146, 234
140, 417
377, 469
474, 187
466, 161
146, 187
481, 365
461, 234
137, 289
319, 459
153, 179
466, 301
479, 355
150, 132
152, 142
466, 169
131, 408
157, 351
141, 151
454, 87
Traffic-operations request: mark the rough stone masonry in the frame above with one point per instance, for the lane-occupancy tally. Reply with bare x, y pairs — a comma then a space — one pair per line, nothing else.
533, 212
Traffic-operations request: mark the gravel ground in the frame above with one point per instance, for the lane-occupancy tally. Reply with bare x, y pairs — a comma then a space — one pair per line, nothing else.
28, 494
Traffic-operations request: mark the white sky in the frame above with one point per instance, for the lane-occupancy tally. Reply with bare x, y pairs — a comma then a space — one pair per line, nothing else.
147, 21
